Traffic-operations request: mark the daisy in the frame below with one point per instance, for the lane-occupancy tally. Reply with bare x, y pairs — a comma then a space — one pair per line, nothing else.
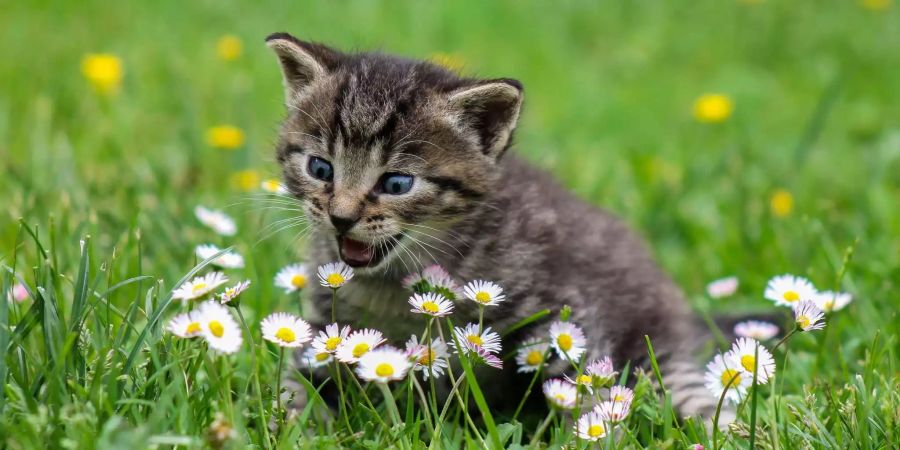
272, 186
219, 328
199, 286
227, 260
808, 317
720, 373
560, 393
829, 301
621, 394
432, 304
334, 275
723, 287
217, 220
591, 427
531, 355
233, 292
292, 278
755, 329
285, 330
584, 380
485, 293
470, 339
328, 341
383, 364
313, 359
568, 340
431, 360
602, 370
438, 278
787, 290
412, 281
742, 355
358, 344
485, 357
613, 412
186, 325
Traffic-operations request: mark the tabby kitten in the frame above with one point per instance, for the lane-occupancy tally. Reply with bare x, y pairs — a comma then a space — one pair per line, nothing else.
401, 163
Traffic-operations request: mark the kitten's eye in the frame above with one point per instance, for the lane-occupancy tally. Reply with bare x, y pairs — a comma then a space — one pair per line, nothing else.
321, 169
396, 183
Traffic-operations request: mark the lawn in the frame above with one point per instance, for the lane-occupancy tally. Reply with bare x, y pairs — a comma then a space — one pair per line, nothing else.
793, 168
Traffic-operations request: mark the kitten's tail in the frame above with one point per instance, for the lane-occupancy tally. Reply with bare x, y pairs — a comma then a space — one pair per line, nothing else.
690, 397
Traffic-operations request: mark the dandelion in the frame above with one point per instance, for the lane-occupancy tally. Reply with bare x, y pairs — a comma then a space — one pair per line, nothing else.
591, 426
721, 375
750, 355
782, 203
273, 186
432, 304
219, 328
199, 286
245, 180
829, 301
808, 317
334, 275
313, 359
229, 47
723, 287
292, 278
218, 221
470, 339
103, 71
613, 412
285, 330
225, 137
233, 292
185, 325
602, 370
430, 359
358, 344
485, 293
787, 290
560, 393
876, 5
383, 365
754, 329
567, 339
531, 355
713, 108
227, 260
328, 341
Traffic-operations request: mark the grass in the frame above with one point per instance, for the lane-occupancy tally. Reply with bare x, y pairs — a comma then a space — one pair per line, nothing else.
610, 87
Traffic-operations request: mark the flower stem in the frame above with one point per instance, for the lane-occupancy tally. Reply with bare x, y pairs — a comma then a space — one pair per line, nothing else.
715, 429
263, 421
342, 408
390, 403
333, 305
755, 387
280, 414
537, 373
542, 427
785, 338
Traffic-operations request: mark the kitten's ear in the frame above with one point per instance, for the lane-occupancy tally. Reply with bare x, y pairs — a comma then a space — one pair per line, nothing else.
302, 63
490, 109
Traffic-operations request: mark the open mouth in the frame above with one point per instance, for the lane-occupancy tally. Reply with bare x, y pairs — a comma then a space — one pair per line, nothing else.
364, 254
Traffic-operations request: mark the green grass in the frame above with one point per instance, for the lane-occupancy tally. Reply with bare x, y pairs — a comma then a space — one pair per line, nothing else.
609, 88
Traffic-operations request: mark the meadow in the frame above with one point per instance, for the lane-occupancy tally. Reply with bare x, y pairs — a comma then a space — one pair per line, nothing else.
742, 138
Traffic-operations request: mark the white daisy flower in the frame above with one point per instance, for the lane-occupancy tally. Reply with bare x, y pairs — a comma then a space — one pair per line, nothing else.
720, 373
485, 293
227, 260
328, 341
233, 292
742, 355
567, 339
485, 357
431, 360
292, 278
584, 380
313, 359
621, 394
723, 287
613, 412
410, 281
199, 286
602, 370
185, 325
531, 355
470, 339
808, 317
755, 329
334, 275
787, 290
217, 220
358, 344
439, 279
560, 393
432, 304
219, 328
285, 330
273, 186
829, 301
383, 364
591, 427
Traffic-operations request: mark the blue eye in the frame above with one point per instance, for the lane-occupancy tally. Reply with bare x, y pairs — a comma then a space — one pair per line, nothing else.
321, 169
396, 183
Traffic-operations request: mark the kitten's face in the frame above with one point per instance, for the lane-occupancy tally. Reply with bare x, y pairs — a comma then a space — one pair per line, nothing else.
383, 151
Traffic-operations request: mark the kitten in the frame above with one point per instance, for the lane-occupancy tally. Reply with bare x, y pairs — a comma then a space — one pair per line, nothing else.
400, 164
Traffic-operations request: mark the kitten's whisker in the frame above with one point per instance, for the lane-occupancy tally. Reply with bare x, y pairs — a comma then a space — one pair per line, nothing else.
297, 108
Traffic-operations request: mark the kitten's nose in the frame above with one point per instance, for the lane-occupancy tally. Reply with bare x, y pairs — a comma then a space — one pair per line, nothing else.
343, 224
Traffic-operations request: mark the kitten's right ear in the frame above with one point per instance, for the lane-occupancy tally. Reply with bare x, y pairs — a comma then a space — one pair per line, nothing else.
302, 63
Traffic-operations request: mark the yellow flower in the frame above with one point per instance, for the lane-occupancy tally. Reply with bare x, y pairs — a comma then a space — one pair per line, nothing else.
103, 71
713, 108
876, 5
229, 47
452, 61
226, 137
781, 203
246, 180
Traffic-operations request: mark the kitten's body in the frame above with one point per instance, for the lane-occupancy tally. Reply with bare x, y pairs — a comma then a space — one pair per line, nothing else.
475, 211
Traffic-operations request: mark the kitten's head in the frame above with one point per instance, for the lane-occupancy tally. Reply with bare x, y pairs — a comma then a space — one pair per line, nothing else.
379, 148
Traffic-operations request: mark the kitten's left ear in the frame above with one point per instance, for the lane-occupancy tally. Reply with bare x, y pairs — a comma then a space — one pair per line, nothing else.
490, 109
302, 63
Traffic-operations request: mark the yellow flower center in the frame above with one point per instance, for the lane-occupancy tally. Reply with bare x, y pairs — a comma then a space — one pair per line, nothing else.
384, 370
199, 287
561, 398
286, 335
431, 307
427, 357
585, 379
803, 321
564, 341
216, 328
475, 339
828, 305
781, 203
335, 280
229, 292
730, 378
104, 71
596, 430
749, 363
483, 297
618, 398
332, 343
193, 328
360, 349
322, 356
246, 180
713, 108
271, 185
298, 281
534, 358
791, 296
